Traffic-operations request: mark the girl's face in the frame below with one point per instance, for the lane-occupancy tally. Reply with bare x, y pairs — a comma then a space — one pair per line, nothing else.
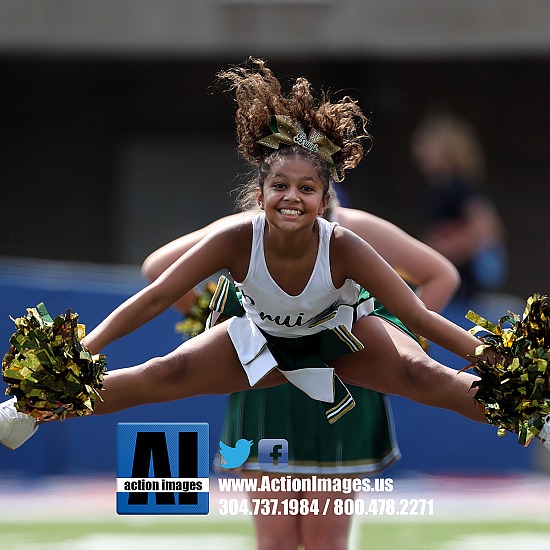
293, 194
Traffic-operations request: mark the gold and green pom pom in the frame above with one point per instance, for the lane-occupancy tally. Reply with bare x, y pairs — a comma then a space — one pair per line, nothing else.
47, 368
514, 389
195, 319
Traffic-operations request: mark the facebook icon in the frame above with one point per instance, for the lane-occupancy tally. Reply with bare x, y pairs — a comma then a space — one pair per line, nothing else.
273, 454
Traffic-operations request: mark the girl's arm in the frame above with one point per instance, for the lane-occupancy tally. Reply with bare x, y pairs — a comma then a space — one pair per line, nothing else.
161, 259
434, 278
223, 249
352, 257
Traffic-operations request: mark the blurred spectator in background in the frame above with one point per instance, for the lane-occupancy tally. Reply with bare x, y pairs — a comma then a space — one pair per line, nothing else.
462, 222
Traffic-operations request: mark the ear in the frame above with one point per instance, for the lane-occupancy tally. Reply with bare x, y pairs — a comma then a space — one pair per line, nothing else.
260, 198
324, 204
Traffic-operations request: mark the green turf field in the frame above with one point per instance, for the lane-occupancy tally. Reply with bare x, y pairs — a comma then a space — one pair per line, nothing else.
477, 513
185, 532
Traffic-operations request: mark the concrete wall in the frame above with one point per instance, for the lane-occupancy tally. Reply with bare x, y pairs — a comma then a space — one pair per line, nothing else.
276, 27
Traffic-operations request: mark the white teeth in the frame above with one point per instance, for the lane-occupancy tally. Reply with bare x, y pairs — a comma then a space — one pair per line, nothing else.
288, 212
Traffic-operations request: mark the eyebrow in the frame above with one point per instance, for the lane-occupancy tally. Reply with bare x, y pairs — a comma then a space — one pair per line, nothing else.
283, 175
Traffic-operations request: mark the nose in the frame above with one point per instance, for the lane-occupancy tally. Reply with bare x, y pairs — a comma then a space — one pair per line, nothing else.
292, 194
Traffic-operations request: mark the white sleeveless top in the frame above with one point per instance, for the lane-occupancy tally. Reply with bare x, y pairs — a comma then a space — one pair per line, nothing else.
280, 314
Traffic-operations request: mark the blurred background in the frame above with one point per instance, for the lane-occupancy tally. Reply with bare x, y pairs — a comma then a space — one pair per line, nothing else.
114, 141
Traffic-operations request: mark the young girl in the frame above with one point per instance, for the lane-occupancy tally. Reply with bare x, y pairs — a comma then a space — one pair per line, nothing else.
300, 278
362, 442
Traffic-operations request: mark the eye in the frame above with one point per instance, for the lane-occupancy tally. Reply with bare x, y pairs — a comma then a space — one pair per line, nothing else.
308, 189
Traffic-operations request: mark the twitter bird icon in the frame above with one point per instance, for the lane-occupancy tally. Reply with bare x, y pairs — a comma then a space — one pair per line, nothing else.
235, 456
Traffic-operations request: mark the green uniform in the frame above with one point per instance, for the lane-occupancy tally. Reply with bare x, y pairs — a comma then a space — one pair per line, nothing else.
361, 442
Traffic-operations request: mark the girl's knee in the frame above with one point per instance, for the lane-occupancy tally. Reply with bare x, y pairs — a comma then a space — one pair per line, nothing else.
166, 373
279, 541
417, 367
431, 383
326, 535
420, 374
327, 532
277, 535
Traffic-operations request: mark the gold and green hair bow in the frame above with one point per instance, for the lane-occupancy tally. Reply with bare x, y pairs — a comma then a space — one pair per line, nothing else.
290, 132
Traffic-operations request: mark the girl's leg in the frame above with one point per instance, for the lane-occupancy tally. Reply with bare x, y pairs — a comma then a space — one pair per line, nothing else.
273, 531
329, 531
290, 532
206, 364
394, 363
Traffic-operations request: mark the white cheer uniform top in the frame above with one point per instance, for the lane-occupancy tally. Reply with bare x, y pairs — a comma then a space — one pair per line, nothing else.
279, 313
319, 307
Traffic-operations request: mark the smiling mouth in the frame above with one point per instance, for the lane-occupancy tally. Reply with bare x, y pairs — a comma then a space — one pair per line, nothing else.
289, 212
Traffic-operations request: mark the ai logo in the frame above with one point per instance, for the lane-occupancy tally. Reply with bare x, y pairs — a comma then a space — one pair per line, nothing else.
162, 468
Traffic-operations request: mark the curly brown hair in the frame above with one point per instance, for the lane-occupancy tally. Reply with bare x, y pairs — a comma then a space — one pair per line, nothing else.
259, 97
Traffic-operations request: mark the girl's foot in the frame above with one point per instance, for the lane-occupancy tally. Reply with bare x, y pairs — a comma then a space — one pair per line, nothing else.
15, 427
